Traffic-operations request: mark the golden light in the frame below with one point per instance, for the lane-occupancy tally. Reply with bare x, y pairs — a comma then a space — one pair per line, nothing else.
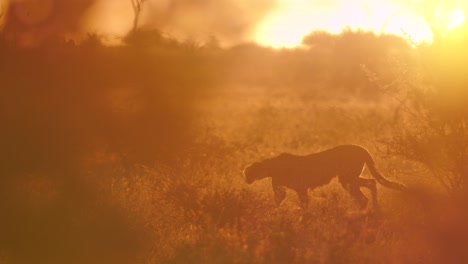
291, 20
112, 18
283, 29
455, 18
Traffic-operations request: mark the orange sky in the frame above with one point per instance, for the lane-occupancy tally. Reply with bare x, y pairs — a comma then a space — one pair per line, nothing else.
287, 21
292, 19
278, 23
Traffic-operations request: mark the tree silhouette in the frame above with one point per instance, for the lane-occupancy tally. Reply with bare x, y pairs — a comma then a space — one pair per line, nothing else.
320, 39
137, 7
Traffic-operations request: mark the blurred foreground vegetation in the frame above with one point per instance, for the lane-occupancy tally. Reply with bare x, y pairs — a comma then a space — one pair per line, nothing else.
134, 153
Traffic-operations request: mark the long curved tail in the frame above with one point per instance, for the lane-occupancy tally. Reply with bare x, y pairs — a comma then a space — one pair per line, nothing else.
381, 179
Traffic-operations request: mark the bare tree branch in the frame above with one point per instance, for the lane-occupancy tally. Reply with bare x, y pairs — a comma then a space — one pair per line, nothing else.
137, 6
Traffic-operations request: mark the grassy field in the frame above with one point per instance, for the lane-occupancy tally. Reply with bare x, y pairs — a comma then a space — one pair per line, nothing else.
135, 153
204, 212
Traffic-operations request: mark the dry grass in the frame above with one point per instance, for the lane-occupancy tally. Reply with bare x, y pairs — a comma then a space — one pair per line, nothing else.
135, 154
204, 212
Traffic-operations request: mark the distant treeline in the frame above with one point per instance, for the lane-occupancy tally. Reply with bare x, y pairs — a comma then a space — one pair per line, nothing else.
59, 98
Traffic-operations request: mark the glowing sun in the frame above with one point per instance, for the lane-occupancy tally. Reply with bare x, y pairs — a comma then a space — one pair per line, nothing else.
291, 20
455, 18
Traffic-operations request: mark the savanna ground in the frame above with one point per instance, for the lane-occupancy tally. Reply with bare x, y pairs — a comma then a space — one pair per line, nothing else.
135, 153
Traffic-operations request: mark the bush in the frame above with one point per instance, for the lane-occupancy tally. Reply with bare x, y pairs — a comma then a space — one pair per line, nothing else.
432, 115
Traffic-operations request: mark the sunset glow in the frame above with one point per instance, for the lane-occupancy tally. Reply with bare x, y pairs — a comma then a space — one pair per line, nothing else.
106, 16
456, 18
290, 21
233, 131
286, 22
276, 23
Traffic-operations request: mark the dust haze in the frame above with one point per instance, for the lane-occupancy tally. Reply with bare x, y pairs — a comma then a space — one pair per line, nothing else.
231, 21
137, 152
228, 21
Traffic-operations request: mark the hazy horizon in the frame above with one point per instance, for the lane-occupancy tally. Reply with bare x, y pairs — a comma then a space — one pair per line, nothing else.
172, 146
276, 23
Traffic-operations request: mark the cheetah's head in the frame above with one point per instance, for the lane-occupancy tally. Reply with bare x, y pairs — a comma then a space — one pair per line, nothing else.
255, 171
